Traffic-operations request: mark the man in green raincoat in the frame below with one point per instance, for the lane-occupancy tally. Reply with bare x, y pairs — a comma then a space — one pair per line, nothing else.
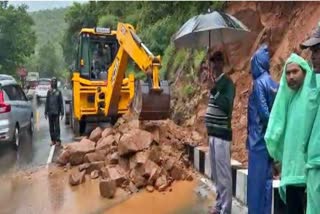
312, 147
289, 129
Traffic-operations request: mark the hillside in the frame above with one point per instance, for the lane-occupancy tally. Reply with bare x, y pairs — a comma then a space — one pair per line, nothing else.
287, 26
49, 26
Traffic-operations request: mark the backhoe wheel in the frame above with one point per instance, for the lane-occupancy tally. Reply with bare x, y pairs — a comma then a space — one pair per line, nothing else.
82, 126
76, 127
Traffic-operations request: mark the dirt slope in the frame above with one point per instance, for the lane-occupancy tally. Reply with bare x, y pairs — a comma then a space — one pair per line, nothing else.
288, 24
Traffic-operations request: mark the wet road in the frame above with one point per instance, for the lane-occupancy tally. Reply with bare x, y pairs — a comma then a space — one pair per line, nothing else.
47, 191
34, 150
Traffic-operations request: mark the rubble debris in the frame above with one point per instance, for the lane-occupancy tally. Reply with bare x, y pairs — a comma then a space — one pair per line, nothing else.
177, 173
131, 156
78, 150
76, 178
107, 188
114, 158
133, 188
150, 188
94, 174
98, 165
106, 143
133, 141
116, 174
93, 157
64, 157
84, 166
161, 183
95, 134
106, 132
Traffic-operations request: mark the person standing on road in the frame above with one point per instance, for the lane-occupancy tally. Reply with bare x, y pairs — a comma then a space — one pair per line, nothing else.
312, 148
53, 110
218, 123
260, 102
289, 128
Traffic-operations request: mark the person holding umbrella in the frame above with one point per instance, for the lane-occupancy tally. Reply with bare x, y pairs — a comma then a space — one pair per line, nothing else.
208, 30
218, 123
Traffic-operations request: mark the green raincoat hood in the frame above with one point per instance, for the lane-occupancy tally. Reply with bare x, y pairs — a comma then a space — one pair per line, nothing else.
290, 125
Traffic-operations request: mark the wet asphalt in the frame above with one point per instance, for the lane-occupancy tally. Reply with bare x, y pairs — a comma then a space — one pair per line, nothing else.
34, 149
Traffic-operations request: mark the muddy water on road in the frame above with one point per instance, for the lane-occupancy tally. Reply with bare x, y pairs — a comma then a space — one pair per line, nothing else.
181, 200
48, 191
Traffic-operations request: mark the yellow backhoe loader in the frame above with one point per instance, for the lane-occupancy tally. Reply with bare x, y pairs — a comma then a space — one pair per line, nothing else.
102, 92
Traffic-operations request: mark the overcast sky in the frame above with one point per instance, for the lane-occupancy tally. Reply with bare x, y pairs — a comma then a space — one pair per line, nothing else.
42, 5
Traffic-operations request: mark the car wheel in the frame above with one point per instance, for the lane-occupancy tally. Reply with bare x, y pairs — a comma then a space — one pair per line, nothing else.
31, 126
16, 138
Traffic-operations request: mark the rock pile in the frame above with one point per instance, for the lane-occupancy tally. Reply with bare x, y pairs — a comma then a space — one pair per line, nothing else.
130, 156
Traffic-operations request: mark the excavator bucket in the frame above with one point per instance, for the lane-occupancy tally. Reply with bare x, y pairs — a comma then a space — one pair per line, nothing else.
151, 104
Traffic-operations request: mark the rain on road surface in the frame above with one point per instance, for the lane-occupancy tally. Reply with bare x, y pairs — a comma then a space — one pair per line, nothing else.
47, 191
34, 150
29, 187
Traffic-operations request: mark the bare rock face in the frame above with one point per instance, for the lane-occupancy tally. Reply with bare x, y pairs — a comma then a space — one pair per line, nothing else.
95, 134
107, 188
133, 141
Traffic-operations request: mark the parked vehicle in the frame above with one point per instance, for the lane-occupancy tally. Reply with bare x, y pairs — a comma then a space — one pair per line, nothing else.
32, 80
42, 88
16, 112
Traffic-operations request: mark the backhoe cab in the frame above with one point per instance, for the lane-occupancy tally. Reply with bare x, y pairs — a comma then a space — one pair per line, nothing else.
102, 92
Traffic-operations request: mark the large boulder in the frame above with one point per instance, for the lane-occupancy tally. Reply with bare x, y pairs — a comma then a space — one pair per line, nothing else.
133, 141
107, 188
76, 178
138, 158
116, 174
106, 132
93, 157
161, 183
106, 143
95, 134
64, 157
78, 150
98, 165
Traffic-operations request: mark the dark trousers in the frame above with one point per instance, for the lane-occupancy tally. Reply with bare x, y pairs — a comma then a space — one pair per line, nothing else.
296, 200
259, 192
54, 127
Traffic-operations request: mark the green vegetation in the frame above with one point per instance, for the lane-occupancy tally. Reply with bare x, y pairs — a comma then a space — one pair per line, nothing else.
17, 38
48, 58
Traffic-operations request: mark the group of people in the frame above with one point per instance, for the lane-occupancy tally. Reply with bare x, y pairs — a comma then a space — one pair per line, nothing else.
283, 126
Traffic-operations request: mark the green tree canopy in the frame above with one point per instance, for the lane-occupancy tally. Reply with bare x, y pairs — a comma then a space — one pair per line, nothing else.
17, 38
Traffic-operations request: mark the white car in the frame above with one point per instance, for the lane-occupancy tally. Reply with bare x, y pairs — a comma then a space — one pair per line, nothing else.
43, 88
15, 112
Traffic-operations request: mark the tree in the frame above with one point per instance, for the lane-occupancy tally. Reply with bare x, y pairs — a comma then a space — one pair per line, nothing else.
48, 62
17, 39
